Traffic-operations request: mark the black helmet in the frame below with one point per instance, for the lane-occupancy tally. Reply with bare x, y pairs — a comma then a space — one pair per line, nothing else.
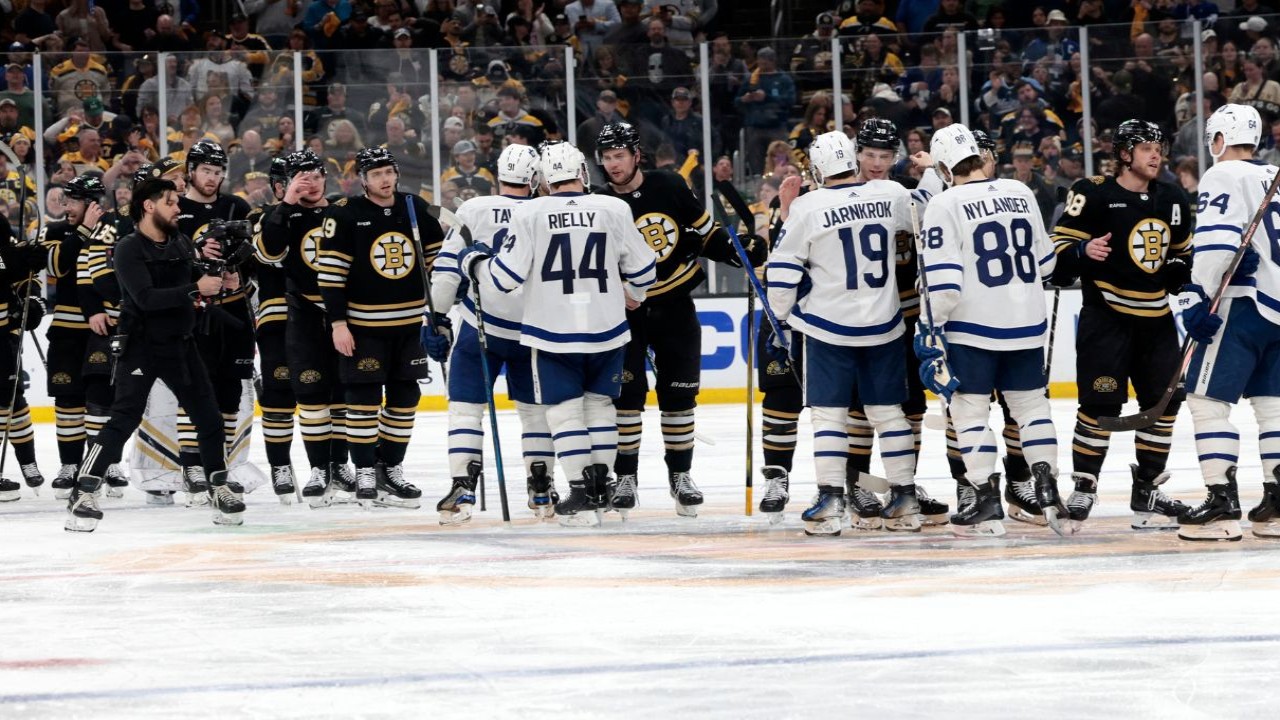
278, 172
375, 157
878, 133
617, 136
300, 161
984, 141
1135, 132
206, 152
84, 187
162, 167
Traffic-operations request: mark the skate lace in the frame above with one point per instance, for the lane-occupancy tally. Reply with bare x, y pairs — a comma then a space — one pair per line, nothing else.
318, 478
30, 470
1157, 497
347, 474
87, 500
626, 486
194, 475
968, 495
67, 472
684, 483
224, 494
921, 495
366, 478
395, 475
281, 475
775, 490
1024, 489
865, 497
1080, 501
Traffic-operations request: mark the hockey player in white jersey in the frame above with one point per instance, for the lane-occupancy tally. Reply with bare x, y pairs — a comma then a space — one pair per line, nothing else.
1239, 345
985, 254
488, 219
841, 239
581, 262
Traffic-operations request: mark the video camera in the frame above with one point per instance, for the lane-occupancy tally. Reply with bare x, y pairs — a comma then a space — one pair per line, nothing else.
235, 237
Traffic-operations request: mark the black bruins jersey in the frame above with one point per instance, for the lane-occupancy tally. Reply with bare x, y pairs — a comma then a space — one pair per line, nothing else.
272, 282
194, 218
290, 239
370, 272
63, 242
18, 266
1146, 229
96, 282
678, 229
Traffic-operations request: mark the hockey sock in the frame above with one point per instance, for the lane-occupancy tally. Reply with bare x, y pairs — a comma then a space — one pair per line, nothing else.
277, 434
1267, 410
630, 423
969, 412
395, 422
677, 439
188, 443
897, 444
602, 424
1090, 444
1153, 443
1012, 439
861, 438
22, 434
338, 439
95, 416
317, 429
1030, 408
916, 420
781, 415
466, 436
535, 437
69, 419
361, 423
955, 458
830, 445
1217, 440
229, 427
570, 437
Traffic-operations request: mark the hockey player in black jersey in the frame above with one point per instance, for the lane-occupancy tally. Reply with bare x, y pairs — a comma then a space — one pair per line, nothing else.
1127, 238
376, 251
680, 231
20, 262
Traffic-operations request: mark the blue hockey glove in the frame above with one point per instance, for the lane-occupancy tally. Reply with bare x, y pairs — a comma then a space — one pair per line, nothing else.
937, 377
928, 343
775, 349
1249, 263
471, 255
437, 338
1201, 324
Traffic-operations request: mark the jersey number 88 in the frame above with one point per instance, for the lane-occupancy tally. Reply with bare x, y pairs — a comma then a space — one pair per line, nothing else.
992, 243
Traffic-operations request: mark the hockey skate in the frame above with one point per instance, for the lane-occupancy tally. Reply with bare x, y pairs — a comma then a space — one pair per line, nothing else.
1152, 509
283, 483
1217, 518
116, 481
10, 491
227, 508
982, 517
542, 491
863, 507
457, 506
159, 498
586, 502
32, 477
902, 513
197, 487
64, 481
1266, 517
776, 493
966, 494
932, 511
1046, 485
685, 493
318, 491
1081, 501
343, 479
394, 490
826, 515
82, 507
623, 495
366, 486
1023, 505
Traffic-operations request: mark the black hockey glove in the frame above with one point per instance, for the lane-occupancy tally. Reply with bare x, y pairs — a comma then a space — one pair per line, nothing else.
757, 248
1175, 273
35, 313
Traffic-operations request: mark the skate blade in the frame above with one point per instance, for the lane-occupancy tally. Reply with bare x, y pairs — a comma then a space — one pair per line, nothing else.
366, 503
1153, 521
857, 522
1073, 527
1269, 530
587, 518
165, 500
689, 511
115, 493
79, 524
830, 526
228, 519
1022, 516
775, 518
196, 500
285, 499
10, 496
935, 520
61, 494
1228, 530
986, 528
544, 513
1056, 524
456, 517
394, 501
316, 502
906, 523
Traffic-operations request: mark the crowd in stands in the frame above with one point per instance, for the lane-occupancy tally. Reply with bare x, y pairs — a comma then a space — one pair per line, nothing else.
361, 71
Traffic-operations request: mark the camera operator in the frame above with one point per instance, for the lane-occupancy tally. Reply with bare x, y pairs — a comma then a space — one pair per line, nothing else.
159, 276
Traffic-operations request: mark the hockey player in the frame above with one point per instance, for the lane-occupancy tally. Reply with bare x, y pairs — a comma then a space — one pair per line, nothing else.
225, 331
19, 262
679, 231
1239, 345
291, 236
985, 252
841, 239
155, 266
374, 260
69, 332
1128, 239
581, 262
488, 219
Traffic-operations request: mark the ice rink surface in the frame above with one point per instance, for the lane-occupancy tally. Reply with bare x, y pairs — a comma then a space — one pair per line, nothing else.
350, 613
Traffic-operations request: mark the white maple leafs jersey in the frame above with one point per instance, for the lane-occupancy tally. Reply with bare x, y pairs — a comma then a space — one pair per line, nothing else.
488, 219
1230, 193
577, 257
930, 186
986, 255
843, 240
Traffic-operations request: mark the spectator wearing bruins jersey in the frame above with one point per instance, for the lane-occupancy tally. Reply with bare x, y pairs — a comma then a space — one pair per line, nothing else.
376, 251
225, 330
680, 231
19, 264
1127, 238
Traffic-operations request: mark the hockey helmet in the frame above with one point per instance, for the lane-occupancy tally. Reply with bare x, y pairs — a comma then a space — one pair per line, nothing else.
518, 165
1132, 133
301, 161
375, 157
831, 154
84, 187
1237, 124
616, 135
878, 133
951, 146
984, 141
278, 171
162, 167
563, 162
206, 152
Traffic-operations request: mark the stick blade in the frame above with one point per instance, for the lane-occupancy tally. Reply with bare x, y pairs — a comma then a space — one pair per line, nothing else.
1127, 423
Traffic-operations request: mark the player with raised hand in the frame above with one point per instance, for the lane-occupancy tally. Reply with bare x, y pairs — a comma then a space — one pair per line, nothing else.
488, 219
1128, 239
841, 238
1238, 351
985, 252
581, 263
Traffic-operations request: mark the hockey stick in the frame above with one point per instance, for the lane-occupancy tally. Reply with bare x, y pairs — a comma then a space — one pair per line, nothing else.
764, 301
22, 324
426, 276
933, 422
1053, 332
488, 392
1148, 417
752, 330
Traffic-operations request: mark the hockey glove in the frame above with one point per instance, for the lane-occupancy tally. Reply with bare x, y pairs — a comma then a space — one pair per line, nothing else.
757, 248
437, 338
1201, 324
928, 343
776, 350
937, 378
35, 313
1175, 273
471, 255
1249, 263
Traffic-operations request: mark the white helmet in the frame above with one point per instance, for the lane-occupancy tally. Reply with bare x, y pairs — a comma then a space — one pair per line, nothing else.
950, 146
1238, 125
518, 165
561, 162
831, 154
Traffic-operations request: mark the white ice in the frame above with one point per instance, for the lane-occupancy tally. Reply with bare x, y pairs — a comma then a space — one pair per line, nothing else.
348, 613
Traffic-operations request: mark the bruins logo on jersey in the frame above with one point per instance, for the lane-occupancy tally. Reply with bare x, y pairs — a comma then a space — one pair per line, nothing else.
660, 231
392, 255
368, 365
1148, 242
310, 248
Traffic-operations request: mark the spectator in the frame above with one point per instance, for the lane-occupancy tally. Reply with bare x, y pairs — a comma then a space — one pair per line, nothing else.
452, 132
629, 36
1264, 50
940, 118
1119, 103
464, 167
1186, 142
77, 77
135, 21
811, 57
913, 14
16, 89
220, 74
89, 114
412, 156
10, 122
55, 204
167, 37
1230, 68
606, 112
339, 149
1188, 174
487, 152
286, 132
765, 104
313, 70
382, 11
591, 20
868, 20
1258, 91
1046, 197
1251, 29
562, 34
665, 68
252, 157
1150, 85
682, 126
511, 113
1055, 44
215, 120
266, 111
540, 26
86, 23
33, 23
1070, 166
144, 69
87, 159
951, 14
178, 94
317, 121
257, 51
322, 19
1271, 142
728, 74
817, 120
